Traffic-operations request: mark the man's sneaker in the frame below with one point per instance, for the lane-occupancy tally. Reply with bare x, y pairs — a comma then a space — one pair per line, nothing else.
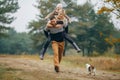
57, 69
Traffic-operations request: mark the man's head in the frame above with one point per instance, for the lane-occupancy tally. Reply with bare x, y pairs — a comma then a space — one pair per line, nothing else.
53, 20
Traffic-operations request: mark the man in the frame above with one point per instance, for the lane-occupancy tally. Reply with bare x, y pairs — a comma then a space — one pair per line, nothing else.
57, 38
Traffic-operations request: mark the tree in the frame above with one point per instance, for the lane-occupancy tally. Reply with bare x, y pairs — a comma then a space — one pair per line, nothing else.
114, 40
91, 29
7, 8
104, 29
114, 7
16, 43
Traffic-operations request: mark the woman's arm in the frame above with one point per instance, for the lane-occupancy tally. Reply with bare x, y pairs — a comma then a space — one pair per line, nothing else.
50, 15
66, 16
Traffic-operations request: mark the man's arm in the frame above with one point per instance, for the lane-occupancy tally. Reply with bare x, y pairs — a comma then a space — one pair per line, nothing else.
49, 25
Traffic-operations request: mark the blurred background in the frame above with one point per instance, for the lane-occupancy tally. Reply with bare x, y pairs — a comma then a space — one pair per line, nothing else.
95, 26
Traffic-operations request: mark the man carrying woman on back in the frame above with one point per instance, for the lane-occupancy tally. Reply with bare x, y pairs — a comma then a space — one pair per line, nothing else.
61, 18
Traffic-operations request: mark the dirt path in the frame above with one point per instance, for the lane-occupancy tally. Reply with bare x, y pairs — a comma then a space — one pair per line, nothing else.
29, 69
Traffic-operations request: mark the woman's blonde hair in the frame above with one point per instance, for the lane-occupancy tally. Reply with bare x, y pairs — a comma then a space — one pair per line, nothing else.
59, 5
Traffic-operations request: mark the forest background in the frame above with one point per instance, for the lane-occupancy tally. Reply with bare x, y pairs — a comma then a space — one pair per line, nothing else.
94, 32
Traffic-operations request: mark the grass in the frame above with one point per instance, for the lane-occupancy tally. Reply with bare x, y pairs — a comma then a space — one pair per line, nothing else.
107, 63
102, 63
7, 73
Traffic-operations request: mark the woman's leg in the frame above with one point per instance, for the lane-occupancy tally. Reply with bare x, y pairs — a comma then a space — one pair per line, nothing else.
69, 39
46, 33
66, 29
45, 46
65, 45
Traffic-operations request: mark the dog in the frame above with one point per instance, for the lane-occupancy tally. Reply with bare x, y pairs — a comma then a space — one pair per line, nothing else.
91, 69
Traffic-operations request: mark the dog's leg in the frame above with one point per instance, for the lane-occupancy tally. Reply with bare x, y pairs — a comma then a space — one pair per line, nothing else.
94, 71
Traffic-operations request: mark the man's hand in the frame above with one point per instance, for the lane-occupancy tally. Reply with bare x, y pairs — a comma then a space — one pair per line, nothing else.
58, 26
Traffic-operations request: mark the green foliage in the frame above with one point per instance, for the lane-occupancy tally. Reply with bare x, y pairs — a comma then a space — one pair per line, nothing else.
16, 43
104, 29
116, 35
91, 29
7, 8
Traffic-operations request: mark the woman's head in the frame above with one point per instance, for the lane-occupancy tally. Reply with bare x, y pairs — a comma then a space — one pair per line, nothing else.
60, 16
59, 6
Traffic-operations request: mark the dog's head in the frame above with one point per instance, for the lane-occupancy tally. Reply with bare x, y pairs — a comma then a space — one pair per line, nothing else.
87, 65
